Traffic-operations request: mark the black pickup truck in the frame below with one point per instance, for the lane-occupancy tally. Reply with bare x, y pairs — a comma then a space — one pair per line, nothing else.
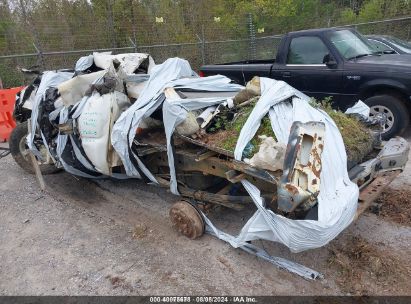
337, 62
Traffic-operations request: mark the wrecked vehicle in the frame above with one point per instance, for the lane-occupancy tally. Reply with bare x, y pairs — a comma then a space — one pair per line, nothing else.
122, 116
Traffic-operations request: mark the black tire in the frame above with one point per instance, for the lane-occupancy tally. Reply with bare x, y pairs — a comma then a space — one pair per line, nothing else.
22, 158
400, 118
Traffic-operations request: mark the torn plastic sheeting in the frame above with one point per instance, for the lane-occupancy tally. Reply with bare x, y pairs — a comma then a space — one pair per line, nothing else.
135, 84
337, 200
73, 90
61, 144
174, 113
84, 63
359, 108
129, 62
50, 79
75, 111
174, 72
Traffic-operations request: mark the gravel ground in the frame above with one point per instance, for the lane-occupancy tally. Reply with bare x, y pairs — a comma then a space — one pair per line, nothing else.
81, 237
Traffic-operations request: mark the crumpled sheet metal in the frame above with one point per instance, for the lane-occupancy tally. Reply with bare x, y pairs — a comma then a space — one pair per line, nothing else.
63, 139
150, 99
174, 113
129, 62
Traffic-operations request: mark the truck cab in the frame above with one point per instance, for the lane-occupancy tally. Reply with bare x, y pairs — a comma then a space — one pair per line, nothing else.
336, 62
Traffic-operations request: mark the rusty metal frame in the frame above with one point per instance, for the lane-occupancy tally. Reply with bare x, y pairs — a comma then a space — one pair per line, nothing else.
300, 183
188, 159
370, 193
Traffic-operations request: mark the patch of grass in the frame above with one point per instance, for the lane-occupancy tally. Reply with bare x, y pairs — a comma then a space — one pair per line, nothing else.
357, 137
237, 124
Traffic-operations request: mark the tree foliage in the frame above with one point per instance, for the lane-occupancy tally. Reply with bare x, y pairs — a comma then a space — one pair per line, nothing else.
81, 24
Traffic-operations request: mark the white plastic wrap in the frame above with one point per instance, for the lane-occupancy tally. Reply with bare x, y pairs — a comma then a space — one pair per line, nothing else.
94, 124
359, 108
84, 63
50, 79
71, 91
174, 72
338, 197
128, 62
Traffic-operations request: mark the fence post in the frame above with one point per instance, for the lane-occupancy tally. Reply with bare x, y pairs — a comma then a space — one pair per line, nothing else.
251, 33
202, 44
134, 44
40, 59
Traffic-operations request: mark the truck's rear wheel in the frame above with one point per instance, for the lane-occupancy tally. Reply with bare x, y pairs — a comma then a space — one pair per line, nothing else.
396, 114
21, 153
186, 218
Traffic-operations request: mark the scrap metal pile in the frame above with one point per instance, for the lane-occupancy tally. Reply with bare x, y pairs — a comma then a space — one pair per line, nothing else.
265, 144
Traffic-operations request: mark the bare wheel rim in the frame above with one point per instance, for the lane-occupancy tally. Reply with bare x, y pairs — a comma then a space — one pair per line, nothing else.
385, 112
24, 149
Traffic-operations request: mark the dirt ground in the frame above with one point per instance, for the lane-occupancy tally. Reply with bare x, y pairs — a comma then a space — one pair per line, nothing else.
108, 237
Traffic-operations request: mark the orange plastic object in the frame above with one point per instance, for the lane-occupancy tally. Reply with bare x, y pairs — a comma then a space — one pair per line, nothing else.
7, 101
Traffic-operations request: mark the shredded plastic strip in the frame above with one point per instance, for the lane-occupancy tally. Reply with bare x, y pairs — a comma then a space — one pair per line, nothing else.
281, 263
4, 152
284, 264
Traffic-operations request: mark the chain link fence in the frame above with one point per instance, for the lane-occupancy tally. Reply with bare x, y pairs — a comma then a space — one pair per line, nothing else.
246, 42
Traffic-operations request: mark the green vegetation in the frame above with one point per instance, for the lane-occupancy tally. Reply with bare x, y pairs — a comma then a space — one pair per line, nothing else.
229, 143
81, 24
358, 139
27, 26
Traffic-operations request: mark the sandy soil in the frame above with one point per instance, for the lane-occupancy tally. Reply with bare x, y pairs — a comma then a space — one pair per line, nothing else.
82, 237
